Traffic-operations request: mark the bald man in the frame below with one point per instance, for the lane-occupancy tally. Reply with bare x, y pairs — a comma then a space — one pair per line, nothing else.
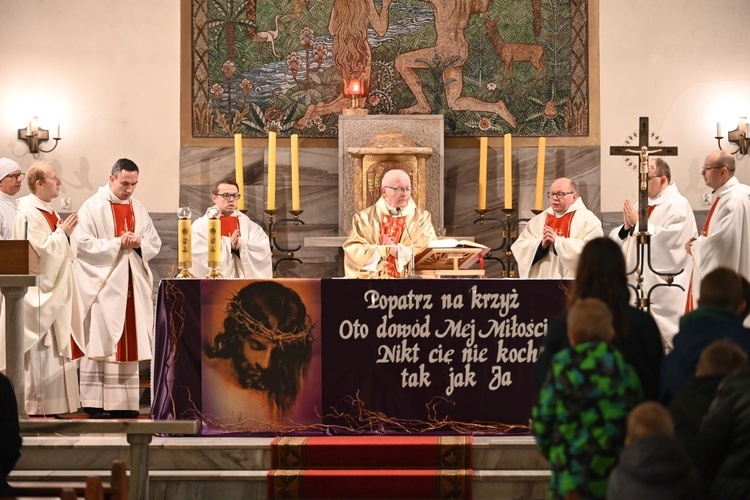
551, 242
394, 220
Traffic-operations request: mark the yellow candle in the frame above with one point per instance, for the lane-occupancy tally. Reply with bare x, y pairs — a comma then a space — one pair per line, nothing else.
508, 173
540, 174
271, 202
214, 242
239, 170
295, 172
184, 239
482, 203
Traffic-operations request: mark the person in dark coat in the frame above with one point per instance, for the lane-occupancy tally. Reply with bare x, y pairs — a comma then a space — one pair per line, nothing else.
653, 465
717, 317
601, 275
723, 443
10, 433
691, 404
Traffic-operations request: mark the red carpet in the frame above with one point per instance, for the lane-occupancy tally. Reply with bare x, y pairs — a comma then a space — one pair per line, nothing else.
370, 467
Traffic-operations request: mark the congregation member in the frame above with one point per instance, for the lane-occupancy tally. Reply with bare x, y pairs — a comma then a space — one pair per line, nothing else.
725, 238
717, 317
393, 220
53, 311
245, 248
551, 242
670, 223
114, 242
653, 465
601, 275
10, 184
10, 433
579, 421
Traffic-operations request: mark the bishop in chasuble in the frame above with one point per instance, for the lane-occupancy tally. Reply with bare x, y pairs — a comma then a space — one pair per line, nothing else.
384, 235
114, 242
551, 242
53, 312
245, 248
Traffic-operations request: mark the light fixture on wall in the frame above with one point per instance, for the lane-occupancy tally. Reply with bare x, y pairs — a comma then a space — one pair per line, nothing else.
353, 90
739, 136
33, 135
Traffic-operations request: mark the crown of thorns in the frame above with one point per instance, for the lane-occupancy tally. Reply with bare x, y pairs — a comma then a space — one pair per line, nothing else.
247, 322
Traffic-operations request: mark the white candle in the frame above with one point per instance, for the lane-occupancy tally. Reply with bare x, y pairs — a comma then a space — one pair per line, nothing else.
718, 129
58, 132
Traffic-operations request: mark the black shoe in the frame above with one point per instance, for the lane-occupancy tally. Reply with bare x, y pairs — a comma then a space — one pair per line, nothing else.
97, 413
124, 413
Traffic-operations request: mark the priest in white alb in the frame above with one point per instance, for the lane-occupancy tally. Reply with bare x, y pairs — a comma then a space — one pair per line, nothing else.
393, 223
53, 312
670, 223
245, 249
551, 242
114, 242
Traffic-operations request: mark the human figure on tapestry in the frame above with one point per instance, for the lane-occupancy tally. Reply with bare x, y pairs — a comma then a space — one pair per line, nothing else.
670, 223
245, 249
115, 242
352, 54
384, 235
725, 238
551, 242
451, 48
258, 363
53, 311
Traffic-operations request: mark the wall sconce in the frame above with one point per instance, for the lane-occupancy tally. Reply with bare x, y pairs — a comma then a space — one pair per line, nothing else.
353, 90
739, 136
33, 135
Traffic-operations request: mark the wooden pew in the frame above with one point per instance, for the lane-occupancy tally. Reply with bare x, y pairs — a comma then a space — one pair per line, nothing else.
93, 489
139, 434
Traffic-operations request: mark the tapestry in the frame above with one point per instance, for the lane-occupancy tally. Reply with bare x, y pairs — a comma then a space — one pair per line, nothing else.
293, 66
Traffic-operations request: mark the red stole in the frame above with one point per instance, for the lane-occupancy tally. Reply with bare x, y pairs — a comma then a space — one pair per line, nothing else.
52, 220
561, 225
704, 232
650, 209
393, 227
229, 224
127, 347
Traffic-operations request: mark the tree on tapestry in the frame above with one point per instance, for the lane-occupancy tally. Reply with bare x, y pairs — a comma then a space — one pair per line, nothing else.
489, 66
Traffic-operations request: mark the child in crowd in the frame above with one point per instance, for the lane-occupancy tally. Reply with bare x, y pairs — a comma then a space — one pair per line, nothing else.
579, 421
653, 465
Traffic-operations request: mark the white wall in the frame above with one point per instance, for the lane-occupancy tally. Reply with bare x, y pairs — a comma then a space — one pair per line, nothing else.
683, 63
108, 72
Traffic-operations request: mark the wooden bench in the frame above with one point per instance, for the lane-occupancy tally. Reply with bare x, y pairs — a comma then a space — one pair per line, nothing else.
139, 434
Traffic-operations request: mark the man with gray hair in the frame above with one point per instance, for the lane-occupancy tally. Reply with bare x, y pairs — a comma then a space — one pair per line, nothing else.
725, 238
393, 221
10, 184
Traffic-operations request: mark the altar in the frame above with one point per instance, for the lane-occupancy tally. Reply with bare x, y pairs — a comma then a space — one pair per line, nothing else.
450, 356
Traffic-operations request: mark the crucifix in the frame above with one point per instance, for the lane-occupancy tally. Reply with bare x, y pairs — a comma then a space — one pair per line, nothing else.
643, 238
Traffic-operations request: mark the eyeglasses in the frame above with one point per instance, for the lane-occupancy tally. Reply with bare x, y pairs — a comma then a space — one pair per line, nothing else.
17, 177
703, 170
403, 190
559, 194
229, 196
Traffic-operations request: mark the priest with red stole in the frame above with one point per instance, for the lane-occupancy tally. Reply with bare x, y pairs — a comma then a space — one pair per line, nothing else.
245, 248
114, 242
550, 244
53, 312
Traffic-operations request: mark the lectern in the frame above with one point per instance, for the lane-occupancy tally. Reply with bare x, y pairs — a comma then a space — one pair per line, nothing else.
18, 271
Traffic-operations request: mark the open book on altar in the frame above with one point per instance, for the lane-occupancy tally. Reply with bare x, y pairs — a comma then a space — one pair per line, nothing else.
450, 257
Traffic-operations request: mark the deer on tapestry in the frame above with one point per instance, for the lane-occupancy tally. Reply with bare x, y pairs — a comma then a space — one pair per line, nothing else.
511, 53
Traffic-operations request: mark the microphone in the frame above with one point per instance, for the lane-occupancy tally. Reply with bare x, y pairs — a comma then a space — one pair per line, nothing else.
406, 227
25, 219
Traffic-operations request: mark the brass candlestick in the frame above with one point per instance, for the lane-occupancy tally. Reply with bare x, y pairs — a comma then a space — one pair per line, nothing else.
184, 242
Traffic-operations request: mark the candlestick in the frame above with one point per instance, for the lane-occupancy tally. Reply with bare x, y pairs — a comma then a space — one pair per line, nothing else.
508, 174
239, 170
482, 195
184, 242
540, 173
271, 200
214, 243
295, 172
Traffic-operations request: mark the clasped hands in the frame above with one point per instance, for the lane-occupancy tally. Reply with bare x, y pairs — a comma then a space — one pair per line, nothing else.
629, 214
69, 224
130, 240
387, 240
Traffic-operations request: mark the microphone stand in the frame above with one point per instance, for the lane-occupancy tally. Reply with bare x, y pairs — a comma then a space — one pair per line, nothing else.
412, 274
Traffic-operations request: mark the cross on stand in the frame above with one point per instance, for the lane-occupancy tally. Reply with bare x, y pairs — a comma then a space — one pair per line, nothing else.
643, 238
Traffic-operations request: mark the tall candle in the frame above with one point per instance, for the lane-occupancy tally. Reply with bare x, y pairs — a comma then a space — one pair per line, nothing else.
239, 170
214, 242
718, 129
482, 203
271, 201
184, 240
295, 172
508, 174
540, 174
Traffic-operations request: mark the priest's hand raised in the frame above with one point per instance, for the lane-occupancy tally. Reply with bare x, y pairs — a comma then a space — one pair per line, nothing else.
69, 224
130, 240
